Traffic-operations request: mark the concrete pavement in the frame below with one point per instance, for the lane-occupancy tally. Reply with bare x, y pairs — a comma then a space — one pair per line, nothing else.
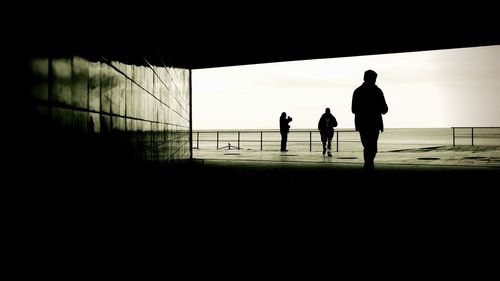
454, 156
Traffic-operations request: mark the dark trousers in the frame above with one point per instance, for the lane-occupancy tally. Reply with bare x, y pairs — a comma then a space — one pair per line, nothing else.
284, 139
326, 139
369, 139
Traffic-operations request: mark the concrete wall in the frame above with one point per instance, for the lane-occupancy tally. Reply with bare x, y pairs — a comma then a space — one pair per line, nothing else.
107, 111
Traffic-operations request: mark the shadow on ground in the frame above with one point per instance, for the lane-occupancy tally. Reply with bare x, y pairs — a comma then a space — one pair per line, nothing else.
247, 211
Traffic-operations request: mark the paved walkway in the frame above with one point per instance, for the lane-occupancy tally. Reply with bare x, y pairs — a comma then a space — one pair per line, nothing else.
465, 156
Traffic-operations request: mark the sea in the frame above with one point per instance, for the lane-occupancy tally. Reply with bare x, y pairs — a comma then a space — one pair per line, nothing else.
345, 139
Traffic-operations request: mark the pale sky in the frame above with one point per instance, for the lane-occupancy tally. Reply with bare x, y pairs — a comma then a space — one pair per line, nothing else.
444, 88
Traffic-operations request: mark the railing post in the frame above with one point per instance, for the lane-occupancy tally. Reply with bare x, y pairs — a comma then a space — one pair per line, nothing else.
310, 140
337, 141
198, 140
238, 140
453, 128
217, 140
472, 136
260, 140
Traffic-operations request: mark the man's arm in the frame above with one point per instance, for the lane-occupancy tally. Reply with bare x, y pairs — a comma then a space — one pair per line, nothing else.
383, 104
354, 105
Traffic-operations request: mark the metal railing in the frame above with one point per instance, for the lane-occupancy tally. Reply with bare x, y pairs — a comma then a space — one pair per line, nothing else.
478, 133
240, 133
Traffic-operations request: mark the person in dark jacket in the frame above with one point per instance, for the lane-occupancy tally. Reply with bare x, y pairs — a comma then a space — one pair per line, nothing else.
368, 105
284, 129
325, 127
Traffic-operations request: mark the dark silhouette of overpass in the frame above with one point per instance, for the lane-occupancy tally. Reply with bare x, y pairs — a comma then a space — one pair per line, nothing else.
193, 37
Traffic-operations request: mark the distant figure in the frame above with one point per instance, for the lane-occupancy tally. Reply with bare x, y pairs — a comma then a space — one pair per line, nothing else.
368, 105
284, 129
325, 127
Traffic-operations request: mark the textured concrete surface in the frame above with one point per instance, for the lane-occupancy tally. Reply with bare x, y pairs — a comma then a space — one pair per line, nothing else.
467, 156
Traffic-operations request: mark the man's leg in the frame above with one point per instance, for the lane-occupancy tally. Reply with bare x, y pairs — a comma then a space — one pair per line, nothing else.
284, 138
373, 146
366, 156
323, 141
369, 140
330, 137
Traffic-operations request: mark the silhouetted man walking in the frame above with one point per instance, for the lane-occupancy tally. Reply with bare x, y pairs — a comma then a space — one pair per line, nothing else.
368, 105
325, 127
284, 129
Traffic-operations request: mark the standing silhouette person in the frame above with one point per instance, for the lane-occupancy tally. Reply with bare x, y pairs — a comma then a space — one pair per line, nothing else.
284, 129
368, 105
325, 127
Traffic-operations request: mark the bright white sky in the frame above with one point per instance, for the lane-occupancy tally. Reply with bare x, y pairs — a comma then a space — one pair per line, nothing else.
456, 87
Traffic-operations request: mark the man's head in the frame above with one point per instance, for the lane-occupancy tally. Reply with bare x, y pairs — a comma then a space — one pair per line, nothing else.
370, 76
327, 110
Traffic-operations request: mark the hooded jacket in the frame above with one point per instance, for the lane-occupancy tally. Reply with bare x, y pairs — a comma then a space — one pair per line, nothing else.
327, 122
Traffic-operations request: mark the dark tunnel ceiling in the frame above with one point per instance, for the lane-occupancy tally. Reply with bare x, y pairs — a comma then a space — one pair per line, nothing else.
227, 43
